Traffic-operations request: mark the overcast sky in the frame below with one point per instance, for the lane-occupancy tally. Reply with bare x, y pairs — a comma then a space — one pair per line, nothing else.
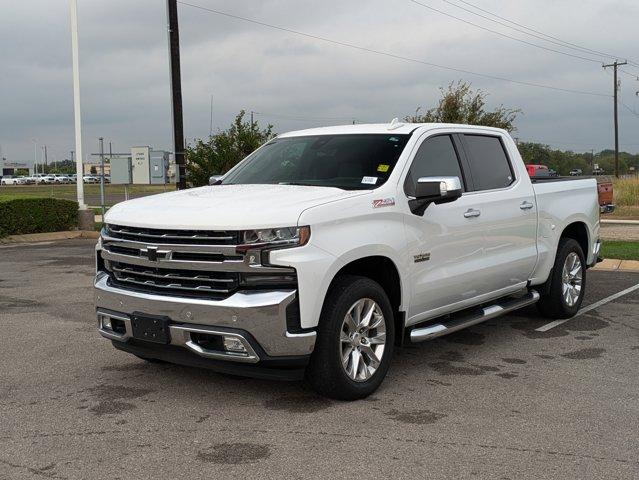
125, 79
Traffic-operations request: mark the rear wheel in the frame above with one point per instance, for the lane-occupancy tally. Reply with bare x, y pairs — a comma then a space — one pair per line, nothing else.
355, 340
567, 283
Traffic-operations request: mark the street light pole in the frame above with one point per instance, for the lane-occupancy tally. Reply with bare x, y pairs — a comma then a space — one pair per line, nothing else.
76, 103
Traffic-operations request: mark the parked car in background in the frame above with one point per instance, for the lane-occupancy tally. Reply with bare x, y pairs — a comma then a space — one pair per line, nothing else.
42, 178
575, 172
598, 171
325, 248
58, 178
90, 179
552, 173
29, 180
537, 170
10, 180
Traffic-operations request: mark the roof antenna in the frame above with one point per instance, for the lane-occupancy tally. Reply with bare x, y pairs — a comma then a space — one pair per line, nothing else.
395, 124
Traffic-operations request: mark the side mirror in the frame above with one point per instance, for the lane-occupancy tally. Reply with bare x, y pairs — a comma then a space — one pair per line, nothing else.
215, 179
435, 190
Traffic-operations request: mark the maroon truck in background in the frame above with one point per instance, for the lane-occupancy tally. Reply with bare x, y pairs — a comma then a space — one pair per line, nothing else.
604, 187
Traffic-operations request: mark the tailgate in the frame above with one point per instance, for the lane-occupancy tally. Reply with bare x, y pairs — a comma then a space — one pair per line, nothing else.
605, 193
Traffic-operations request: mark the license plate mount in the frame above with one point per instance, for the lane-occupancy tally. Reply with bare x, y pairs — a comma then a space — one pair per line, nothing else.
150, 328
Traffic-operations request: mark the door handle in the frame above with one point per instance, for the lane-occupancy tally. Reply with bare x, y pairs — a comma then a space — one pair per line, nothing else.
470, 213
526, 205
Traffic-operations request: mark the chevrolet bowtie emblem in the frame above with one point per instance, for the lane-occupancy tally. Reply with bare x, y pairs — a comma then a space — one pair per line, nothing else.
152, 253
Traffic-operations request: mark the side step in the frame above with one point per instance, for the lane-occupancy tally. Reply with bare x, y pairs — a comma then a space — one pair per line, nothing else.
486, 313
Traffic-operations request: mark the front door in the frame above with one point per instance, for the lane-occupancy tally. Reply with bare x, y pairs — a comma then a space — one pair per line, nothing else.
445, 243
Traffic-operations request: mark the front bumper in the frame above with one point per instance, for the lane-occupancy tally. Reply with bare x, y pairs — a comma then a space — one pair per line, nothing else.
256, 319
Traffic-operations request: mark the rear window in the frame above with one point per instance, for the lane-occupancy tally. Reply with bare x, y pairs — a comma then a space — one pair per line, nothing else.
489, 162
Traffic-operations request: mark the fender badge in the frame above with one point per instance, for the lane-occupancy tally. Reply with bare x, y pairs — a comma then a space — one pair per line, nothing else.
422, 257
384, 202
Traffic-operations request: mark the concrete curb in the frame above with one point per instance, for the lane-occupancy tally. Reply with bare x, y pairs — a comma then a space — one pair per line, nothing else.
613, 265
49, 236
620, 222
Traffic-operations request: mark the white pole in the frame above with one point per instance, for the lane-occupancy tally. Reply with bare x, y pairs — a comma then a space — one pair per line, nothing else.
35, 158
76, 103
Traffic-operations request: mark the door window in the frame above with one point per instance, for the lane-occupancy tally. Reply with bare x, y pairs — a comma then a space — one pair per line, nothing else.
436, 157
488, 162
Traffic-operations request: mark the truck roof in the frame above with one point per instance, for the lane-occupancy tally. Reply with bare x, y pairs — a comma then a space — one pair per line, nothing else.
380, 128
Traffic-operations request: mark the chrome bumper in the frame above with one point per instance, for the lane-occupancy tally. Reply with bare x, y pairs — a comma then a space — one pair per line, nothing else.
607, 208
262, 315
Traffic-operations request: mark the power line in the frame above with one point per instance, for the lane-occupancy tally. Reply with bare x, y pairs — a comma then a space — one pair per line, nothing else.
630, 109
392, 55
503, 34
566, 43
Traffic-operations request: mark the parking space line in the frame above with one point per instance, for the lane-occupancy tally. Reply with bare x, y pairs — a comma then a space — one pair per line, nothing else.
548, 326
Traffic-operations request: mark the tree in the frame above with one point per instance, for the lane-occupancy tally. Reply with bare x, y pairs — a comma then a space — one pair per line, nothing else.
224, 150
461, 104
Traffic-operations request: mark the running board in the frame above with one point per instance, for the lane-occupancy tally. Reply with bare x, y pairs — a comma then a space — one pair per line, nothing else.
455, 324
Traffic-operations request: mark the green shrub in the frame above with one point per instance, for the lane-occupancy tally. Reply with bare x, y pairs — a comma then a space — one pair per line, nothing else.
35, 215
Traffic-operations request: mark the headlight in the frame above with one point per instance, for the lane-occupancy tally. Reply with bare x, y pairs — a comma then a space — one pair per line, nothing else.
271, 238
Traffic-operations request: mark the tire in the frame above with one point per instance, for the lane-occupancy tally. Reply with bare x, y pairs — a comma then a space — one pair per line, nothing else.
338, 339
553, 302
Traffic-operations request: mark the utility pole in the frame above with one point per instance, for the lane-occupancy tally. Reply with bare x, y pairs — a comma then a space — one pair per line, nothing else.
211, 119
252, 112
176, 92
46, 160
616, 89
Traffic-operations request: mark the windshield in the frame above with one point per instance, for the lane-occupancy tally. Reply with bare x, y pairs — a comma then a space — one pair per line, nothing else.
349, 162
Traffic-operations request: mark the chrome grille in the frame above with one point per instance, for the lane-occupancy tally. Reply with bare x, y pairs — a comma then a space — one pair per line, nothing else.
172, 282
192, 237
179, 263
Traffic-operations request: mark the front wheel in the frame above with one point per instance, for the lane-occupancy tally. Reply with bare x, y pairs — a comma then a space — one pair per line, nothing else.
355, 340
567, 282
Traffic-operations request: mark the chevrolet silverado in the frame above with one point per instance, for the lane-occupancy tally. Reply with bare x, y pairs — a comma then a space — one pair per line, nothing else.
326, 249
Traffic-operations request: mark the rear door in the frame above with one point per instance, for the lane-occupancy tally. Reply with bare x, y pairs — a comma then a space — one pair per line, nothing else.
507, 216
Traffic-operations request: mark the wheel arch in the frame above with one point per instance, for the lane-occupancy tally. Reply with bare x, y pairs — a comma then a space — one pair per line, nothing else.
384, 271
578, 231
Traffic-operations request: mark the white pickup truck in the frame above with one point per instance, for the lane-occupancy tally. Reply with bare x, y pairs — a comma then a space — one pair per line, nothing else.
325, 249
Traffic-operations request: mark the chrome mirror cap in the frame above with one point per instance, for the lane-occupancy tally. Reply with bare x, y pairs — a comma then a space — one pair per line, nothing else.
215, 179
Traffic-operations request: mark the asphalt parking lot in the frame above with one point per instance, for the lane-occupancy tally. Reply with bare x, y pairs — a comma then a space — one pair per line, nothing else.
500, 400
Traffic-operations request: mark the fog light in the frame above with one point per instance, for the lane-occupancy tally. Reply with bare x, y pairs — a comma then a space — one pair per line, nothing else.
106, 323
233, 344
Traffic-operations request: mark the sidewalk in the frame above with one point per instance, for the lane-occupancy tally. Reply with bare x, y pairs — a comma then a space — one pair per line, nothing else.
611, 264
49, 236
620, 221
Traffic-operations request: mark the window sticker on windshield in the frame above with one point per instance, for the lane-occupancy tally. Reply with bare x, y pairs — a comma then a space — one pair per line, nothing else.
369, 180
382, 168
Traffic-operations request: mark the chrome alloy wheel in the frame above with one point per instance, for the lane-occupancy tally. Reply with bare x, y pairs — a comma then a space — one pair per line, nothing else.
362, 339
571, 279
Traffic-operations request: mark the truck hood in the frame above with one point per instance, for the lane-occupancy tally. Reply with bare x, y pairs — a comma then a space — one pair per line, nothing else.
225, 207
